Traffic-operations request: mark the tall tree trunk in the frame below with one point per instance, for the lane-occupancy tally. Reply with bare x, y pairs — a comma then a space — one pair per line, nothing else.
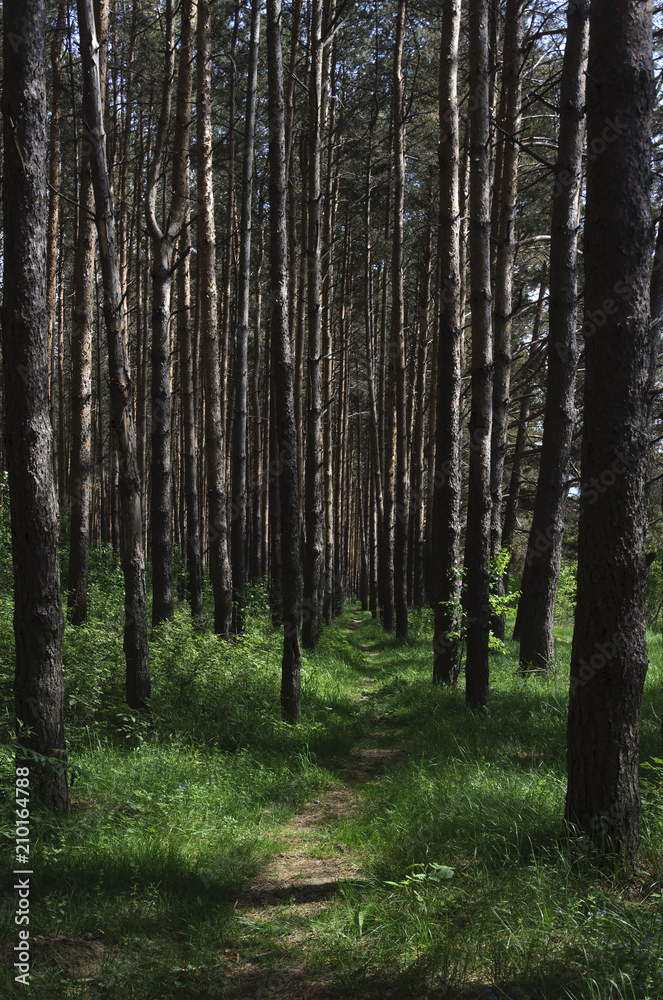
190, 471
544, 549
609, 654
165, 242
328, 367
513, 496
239, 462
229, 260
369, 322
417, 498
397, 375
314, 511
477, 547
446, 481
219, 563
82, 326
55, 173
257, 562
38, 623
121, 389
505, 258
283, 376
81, 396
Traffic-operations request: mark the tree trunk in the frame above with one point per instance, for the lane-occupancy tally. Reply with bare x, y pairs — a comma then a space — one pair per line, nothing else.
165, 242
315, 538
397, 337
283, 376
257, 562
219, 563
229, 257
82, 326
609, 654
544, 549
55, 174
121, 389
81, 393
239, 462
38, 623
477, 547
446, 481
513, 496
505, 258
190, 471
328, 367
419, 399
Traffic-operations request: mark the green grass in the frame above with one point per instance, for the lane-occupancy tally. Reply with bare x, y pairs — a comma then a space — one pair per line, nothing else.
468, 890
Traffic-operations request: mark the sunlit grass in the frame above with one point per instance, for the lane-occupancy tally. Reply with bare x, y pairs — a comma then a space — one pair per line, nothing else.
468, 889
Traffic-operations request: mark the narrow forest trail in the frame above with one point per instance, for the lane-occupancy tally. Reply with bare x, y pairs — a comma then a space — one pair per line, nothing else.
293, 891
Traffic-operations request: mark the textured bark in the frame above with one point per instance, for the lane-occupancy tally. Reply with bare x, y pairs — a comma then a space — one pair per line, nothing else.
369, 325
190, 427
419, 399
341, 512
609, 653
165, 240
314, 511
431, 445
121, 389
241, 359
446, 481
505, 258
123, 238
259, 528
397, 369
229, 256
513, 495
82, 326
275, 546
219, 563
328, 368
282, 368
38, 623
544, 549
477, 547
55, 173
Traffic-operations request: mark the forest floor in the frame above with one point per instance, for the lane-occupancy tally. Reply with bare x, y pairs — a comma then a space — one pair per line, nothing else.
294, 889
393, 845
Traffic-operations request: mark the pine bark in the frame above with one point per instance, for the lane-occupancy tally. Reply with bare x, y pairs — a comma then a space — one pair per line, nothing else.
419, 400
314, 510
238, 546
477, 548
513, 495
544, 549
397, 362
38, 621
507, 247
446, 480
54, 179
121, 388
190, 428
82, 327
219, 563
165, 242
609, 653
282, 368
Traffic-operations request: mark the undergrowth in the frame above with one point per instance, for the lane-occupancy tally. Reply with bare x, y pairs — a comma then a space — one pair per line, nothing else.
468, 890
